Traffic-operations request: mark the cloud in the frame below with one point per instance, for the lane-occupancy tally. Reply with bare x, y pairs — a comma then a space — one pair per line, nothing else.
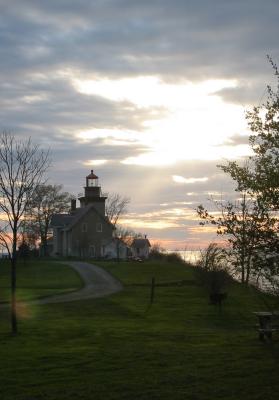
186, 181
245, 93
180, 45
178, 40
94, 163
52, 104
237, 140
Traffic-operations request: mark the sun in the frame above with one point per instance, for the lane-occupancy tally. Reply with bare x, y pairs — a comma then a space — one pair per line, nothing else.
196, 126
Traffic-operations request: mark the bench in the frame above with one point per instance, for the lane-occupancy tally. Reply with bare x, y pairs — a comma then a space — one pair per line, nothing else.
266, 333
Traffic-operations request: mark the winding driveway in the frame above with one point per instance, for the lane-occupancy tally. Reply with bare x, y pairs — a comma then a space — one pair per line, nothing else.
97, 283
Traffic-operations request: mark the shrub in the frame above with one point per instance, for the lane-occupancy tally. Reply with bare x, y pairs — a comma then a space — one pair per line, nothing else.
212, 272
174, 257
158, 253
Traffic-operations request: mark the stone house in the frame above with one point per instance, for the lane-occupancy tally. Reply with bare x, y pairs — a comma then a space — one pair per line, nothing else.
85, 231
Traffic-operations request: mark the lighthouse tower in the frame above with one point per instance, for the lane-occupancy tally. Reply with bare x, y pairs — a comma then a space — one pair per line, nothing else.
93, 194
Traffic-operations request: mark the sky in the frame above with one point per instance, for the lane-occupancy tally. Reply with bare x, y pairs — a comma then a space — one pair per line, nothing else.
151, 95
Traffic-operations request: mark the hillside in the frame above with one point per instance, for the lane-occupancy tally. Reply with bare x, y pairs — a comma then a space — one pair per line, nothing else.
121, 348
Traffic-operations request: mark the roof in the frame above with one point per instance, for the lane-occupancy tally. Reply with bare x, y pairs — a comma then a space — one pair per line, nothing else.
61, 220
107, 242
69, 220
92, 175
141, 243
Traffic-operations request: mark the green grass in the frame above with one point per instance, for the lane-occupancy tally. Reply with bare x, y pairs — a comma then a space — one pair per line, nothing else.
142, 273
119, 348
36, 279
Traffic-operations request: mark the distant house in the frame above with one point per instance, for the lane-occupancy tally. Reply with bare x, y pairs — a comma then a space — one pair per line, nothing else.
85, 231
140, 247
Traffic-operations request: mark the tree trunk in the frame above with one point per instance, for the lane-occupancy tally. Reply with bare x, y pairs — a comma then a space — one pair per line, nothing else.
44, 244
118, 251
248, 270
44, 247
242, 262
13, 288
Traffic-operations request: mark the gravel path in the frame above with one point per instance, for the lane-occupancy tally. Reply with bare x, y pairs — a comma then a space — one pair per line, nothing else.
97, 283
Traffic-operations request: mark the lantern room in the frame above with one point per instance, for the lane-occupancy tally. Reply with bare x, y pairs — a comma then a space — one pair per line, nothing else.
93, 194
92, 180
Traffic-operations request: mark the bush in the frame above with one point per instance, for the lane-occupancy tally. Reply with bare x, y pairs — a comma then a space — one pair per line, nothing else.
160, 254
212, 272
174, 257
157, 252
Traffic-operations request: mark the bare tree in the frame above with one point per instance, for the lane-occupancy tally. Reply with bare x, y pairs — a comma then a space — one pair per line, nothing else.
127, 235
46, 201
116, 205
22, 167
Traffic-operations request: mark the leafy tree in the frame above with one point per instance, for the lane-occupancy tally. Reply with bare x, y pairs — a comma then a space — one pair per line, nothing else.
46, 201
249, 231
22, 167
252, 224
260, 176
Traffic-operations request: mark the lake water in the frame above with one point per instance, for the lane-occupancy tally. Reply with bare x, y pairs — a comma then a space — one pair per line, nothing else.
191, 256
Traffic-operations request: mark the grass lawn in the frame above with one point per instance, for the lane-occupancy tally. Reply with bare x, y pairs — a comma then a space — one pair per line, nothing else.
37, 279
119, 348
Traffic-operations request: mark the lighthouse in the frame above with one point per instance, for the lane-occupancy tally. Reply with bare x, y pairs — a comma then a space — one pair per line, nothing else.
93, 194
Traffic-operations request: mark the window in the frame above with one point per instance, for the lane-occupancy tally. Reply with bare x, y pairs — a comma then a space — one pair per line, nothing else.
84, 227
99, 227
92, 251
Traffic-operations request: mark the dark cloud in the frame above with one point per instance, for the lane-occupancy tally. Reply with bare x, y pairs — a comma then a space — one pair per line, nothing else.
176, 39
246, 93
52, 108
